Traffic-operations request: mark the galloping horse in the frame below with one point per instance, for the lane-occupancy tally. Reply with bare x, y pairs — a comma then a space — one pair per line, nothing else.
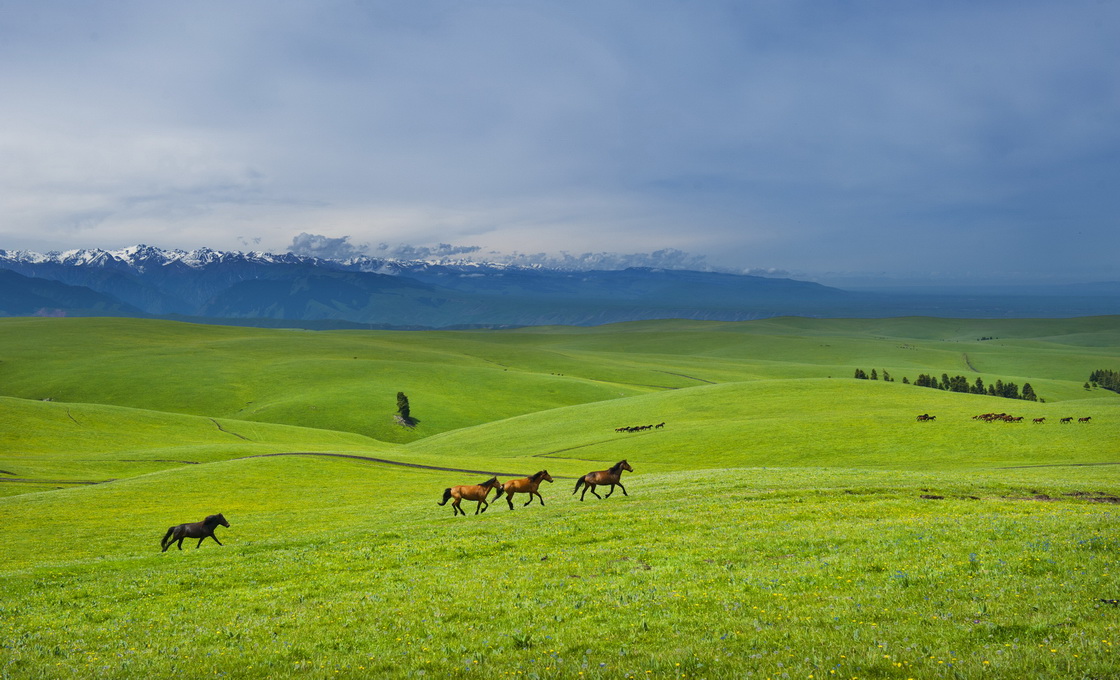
527, 485
200, 530
471, 492
603, 477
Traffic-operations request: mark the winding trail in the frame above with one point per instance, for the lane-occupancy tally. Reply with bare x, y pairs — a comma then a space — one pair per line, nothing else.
1020, 467
386, 461
368, 459
22, 480
690, 377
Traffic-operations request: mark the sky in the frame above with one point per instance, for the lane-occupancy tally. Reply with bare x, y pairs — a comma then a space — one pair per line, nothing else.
945, 141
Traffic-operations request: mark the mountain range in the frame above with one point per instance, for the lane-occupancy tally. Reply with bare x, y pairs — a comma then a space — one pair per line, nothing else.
293, 290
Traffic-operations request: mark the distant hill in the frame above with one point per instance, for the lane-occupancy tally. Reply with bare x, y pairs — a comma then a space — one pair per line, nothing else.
286, 289
27, 296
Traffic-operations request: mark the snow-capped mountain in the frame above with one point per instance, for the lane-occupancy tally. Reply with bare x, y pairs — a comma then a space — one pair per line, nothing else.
285, 288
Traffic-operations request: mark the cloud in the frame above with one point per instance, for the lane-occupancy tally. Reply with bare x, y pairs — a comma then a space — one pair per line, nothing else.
667, 258
340, 248
862, 136
441, 251
324, 247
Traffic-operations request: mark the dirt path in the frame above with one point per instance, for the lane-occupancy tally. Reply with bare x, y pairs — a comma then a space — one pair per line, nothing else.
690, 377
1020, 467
369, 459
21, 480
386, 461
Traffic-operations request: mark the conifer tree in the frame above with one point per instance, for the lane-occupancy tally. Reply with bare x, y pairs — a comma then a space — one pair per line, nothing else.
402, 407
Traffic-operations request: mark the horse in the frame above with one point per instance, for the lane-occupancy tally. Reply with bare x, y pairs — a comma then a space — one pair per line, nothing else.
1085, 419
527, 485
1067, 420
612, 477
200, 530
471, 492
1040, 420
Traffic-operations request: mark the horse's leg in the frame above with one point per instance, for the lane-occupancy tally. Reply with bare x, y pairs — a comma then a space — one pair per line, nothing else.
623, 489
215, 539
509, 499
456, 508
200, 542
610, 492
592, 487
482, 505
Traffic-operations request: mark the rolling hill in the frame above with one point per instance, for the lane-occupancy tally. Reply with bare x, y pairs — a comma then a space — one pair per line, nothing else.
787, 518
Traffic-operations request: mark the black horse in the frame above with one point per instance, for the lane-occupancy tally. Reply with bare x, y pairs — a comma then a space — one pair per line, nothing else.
199, 530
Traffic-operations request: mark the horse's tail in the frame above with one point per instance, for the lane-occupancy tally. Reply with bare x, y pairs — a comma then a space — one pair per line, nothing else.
446, 496
579, 483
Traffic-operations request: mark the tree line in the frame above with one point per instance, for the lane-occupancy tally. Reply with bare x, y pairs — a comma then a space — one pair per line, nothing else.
960, 383
1110, 380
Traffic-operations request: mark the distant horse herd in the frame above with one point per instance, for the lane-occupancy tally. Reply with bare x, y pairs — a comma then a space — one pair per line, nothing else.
1006, 418
639, 428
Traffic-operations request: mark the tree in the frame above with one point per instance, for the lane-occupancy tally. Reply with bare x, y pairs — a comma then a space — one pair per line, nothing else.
860, 375
874, 375
402, 407
1028, 392
1108, 379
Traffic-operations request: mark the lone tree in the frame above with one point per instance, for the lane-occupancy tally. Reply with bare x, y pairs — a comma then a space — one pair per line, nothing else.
404, 415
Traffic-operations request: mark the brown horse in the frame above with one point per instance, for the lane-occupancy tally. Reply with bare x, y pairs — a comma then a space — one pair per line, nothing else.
200, 530
527, 485
610, 477
471, 492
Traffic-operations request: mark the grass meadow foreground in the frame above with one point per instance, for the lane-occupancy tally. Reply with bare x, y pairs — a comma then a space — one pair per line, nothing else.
787, 522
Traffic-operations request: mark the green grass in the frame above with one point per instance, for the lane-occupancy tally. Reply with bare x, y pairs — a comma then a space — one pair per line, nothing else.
744, 573
788, 521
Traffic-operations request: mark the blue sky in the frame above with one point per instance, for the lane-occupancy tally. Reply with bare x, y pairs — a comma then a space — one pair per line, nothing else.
926, 140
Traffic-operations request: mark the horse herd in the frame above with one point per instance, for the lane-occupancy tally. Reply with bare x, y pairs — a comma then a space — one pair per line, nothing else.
471, 492
480, 492
639, 428
1006, 418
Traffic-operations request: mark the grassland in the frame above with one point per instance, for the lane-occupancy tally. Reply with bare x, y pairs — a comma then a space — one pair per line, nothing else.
788, 521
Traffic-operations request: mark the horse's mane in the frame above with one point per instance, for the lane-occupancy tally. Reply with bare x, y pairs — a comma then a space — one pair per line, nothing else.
618, 466
537, 477
492, 480
212, 519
